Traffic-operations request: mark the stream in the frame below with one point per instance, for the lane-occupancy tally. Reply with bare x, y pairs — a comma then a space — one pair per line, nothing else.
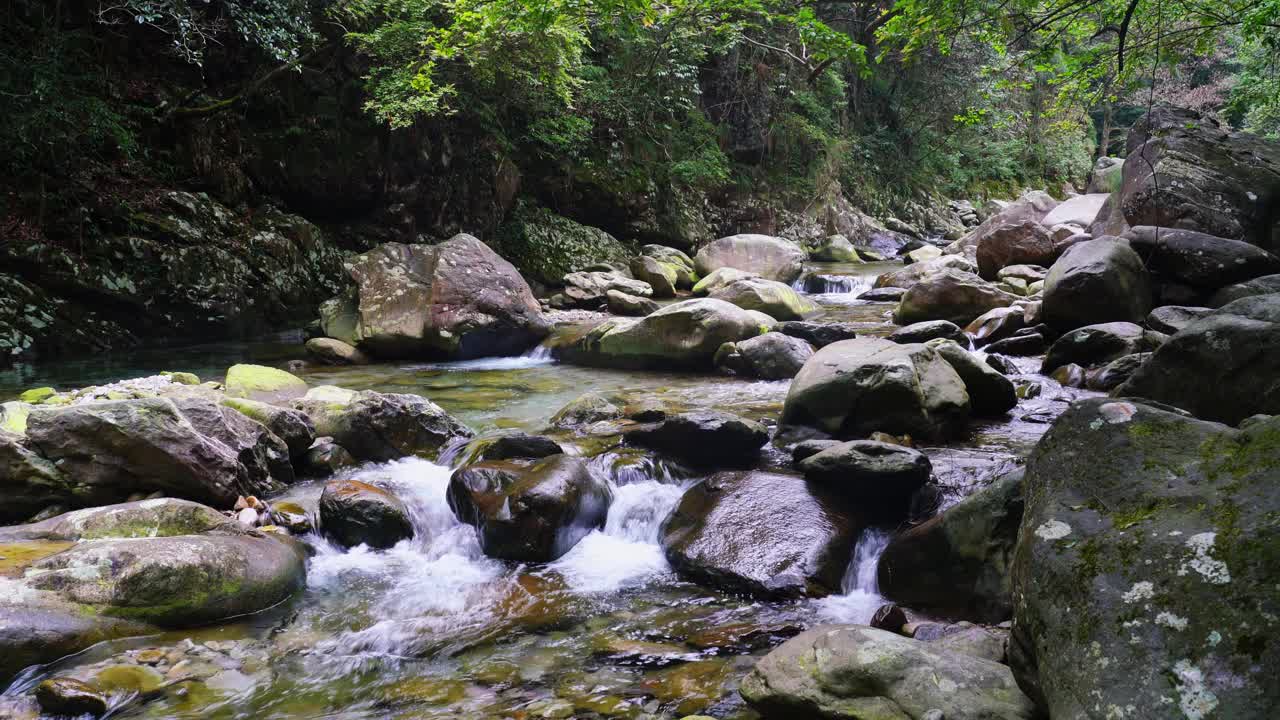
434, 629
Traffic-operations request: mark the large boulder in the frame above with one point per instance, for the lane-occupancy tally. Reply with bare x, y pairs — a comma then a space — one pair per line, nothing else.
772, 356
855, 387
1032, 206
355, 513
769, 257
1024, 243
263, 383
953, 295
1264, 285
457, 299
717, 279
774, 299
707, 437
1187, 171
264, 457
1096, 281
685, 270
991, 394
110, 450
291, 426
852, 672
546, 246
1201, 261
1098, 344
1144, 573
915, 272
956, 564
835, 248
1080, 210
662, 277
682, 335
771, 535
377, 426
530, 513
29, 481
1169, 319
1222, 367
590, 288
880, 477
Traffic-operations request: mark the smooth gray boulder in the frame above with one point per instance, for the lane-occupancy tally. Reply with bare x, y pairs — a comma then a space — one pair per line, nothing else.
953, 295
684, 335
991, 394
1096, 281
772, 258
375, 426
772, 356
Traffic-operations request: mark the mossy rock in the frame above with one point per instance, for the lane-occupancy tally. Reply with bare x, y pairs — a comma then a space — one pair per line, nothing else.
182, 378
259, 382
545, 246
35, 396
13, 417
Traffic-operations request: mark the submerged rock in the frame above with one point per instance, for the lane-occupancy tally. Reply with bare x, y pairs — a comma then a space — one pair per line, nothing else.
530, 513
857, 672
767, 534
855, 387
68, 696
770, 257
355, 513
1148, 545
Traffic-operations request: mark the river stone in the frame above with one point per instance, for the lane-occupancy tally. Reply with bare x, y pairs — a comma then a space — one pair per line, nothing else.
769, 257
1264, 285
956, 564
707, 438
854, 672
660, 276
586, 409
772, 356
928, 330
1149, 544
267, 384
871, 474
1222, 367
335, 352
855, 387
620, 303
263, 456
1095, 282
835, 248
113, 449
924, 253
682, 335
1200, 260
588, 289
991, 394
161, 517
458, 299
996, 324
818, 334
1080, 210
686, 271
340, 317
1099, 344
518, 445
291, 426
808, 448
28, 481
883, 294
68, 696
772, 298
720, 278
375, 426
1115, 373
530, 513
915, 272
1169, 319
326, 458
1032, 206
1020, 344
953, 295
767, 534
1024, 243
355, 513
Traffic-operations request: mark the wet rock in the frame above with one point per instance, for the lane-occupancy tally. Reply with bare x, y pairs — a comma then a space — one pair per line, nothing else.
957, 564
620, 303
683, 335
1116, 372
969, 639
708, 438
530, 513
818, 334
770, 257
325, 459
291, 517
991, 394
68, 696
855, 387
1264, 285
457, 299
953, 295
354, 513
263, 457
889, 617
1169, 319
883, 294
775, 299
1221, 367
1094, 282
660, 276
1070, 375
689, 687
1019, 345
809, 448
587, 409
835, 248
165, 517
996, 324
871, 474
1200, 260
1001, 364
928, 330
772, 356
914, 273
112, 449
720, 278
519, 445
857, 672
335, 352
291, 426
1147, 544
1024, 243
1189, 172
1098, 344
762, 533
32, 633
375, 426
262, 383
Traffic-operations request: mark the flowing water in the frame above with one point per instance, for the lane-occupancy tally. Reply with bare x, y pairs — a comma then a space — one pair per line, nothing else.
434, 629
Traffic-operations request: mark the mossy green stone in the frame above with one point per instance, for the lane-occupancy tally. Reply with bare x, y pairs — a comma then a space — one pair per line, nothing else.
259, 382
38, 395
13, 417
182, 378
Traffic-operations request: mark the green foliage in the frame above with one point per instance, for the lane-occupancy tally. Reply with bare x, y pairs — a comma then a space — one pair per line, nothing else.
278, 27
1255, 99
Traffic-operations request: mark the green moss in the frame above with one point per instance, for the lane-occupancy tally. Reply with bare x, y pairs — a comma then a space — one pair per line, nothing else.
258, 382
13, 417
1129, 518
182, 378
35, 396
545, 246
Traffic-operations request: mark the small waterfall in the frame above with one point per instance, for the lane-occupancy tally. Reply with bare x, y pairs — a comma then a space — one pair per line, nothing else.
861, 597
834, 285
540, 352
